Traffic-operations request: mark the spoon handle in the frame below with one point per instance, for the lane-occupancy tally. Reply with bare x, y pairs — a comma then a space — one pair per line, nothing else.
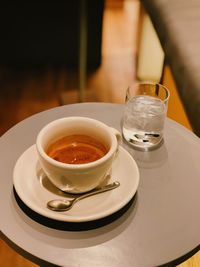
99, 190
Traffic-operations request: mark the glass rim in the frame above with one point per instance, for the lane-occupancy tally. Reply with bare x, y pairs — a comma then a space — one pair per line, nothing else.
150, 83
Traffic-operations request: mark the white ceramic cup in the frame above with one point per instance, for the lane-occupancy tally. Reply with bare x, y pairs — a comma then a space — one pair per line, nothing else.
77, 178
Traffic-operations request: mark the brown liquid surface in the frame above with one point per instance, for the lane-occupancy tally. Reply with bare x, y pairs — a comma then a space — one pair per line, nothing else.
76, 149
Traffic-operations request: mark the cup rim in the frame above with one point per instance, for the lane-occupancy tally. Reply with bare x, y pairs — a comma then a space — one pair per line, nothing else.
63, 165
154, 84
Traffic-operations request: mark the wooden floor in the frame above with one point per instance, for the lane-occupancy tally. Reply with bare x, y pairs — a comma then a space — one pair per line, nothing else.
26, 92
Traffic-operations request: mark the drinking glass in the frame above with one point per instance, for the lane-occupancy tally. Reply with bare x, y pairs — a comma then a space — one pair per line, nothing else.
144, 115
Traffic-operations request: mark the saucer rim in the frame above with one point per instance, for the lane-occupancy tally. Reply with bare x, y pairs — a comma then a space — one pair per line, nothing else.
57, 216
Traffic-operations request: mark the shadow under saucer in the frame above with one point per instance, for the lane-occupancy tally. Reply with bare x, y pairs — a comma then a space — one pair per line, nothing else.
73, 226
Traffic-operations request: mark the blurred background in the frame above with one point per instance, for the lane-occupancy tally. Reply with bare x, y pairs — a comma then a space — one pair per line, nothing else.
39, 55
48, 58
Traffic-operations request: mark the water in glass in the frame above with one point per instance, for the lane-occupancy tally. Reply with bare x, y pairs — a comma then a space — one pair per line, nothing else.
143, 120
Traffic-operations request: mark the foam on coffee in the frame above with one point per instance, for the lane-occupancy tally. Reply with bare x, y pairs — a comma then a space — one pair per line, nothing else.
76, 149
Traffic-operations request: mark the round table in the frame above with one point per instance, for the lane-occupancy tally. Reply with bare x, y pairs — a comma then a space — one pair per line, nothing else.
160, 227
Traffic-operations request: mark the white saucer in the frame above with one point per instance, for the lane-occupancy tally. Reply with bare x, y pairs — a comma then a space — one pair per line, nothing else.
34, 189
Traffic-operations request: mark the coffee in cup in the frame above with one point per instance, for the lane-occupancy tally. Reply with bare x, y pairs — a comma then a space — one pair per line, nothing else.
76, 149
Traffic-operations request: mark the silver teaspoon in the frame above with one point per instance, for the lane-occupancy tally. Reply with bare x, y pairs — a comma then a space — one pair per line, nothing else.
66, 204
